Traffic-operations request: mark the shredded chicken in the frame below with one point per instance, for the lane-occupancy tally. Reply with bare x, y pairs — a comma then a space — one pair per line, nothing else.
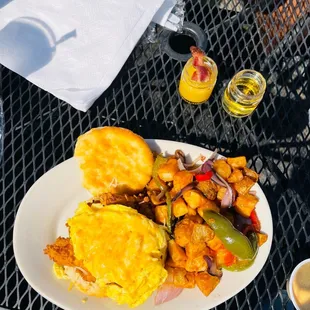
61, 252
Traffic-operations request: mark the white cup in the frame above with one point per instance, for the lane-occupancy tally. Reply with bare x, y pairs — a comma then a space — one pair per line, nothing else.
289, 284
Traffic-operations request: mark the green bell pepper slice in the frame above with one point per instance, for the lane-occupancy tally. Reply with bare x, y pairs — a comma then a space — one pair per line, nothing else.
234, 241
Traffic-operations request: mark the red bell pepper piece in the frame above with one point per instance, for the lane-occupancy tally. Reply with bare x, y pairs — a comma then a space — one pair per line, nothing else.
204, 177
255, 221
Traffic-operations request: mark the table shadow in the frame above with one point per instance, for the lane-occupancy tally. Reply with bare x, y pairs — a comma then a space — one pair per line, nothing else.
3, 3
28, 44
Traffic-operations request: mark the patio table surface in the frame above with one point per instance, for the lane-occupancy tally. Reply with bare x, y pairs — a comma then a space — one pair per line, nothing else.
41, 130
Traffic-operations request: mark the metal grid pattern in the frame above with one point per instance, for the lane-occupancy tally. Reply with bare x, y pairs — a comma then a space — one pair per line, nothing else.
40, 131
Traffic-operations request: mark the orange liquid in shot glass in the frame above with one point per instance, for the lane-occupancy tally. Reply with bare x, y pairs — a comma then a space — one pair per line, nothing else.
196, 92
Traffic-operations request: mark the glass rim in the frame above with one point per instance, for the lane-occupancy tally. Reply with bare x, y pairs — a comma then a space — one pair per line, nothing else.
253, 72
214, 72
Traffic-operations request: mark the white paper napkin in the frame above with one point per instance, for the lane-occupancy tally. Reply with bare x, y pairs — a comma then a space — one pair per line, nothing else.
73, 49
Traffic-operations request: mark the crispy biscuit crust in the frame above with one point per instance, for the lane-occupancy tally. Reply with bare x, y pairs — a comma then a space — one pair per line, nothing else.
113, 160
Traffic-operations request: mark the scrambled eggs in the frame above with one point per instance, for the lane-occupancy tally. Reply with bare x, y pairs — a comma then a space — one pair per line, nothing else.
122, 249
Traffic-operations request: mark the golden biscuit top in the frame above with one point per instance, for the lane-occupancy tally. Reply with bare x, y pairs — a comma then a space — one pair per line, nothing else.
114, 160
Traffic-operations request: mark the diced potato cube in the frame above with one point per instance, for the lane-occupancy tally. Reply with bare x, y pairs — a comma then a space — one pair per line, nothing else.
196, 264
196, 249
206, 282
237, 162
167, 171
262, 238
152, 186
191, 211
215, 244
245, 204
179, 207
194, 198
161, 214
222, 168
208, 188
201, 233
172, 263
187, 282
209, 205
181, 278
181, 179
183, 232
235, 176
195, 218
221, 193
176, 252
243, 187
251, 174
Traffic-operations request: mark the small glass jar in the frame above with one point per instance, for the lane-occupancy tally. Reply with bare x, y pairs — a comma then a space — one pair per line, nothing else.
196, 92
243, 93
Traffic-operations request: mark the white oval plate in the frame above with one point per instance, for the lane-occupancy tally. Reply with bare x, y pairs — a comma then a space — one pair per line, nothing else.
52, 200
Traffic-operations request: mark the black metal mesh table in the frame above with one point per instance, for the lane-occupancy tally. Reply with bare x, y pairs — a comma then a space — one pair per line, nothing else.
40, 131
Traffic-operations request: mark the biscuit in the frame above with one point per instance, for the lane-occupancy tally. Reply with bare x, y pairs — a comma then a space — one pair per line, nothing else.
113, 160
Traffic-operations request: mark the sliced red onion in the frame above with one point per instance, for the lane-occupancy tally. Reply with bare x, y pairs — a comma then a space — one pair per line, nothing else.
166, 293
240, 222
179, 154
192, 164
252, 193
212, 267
183, 190
214, 155
161, 194
180, 164
217, 180
182, 167
229, 196
205, 167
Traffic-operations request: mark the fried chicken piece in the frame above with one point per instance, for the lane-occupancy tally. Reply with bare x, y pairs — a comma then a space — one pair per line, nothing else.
123, 199
61, 252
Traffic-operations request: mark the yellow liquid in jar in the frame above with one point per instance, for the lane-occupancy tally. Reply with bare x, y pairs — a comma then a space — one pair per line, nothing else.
238, 106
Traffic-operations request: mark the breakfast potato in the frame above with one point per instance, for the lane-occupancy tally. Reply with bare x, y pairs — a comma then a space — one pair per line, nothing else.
209, 205
172, 263
176, 252
221, 192
206, 282
179, 207
194, 198
245, 204
201, 233
237, 162
194, 218
161, 214
181, 179
152, 186
196, 249
208, 188
181, 278
191, 212
243, 187
235, 176
262, 238
215, 244
167, 171
222, 168
251, 174
183, 232
196, 264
